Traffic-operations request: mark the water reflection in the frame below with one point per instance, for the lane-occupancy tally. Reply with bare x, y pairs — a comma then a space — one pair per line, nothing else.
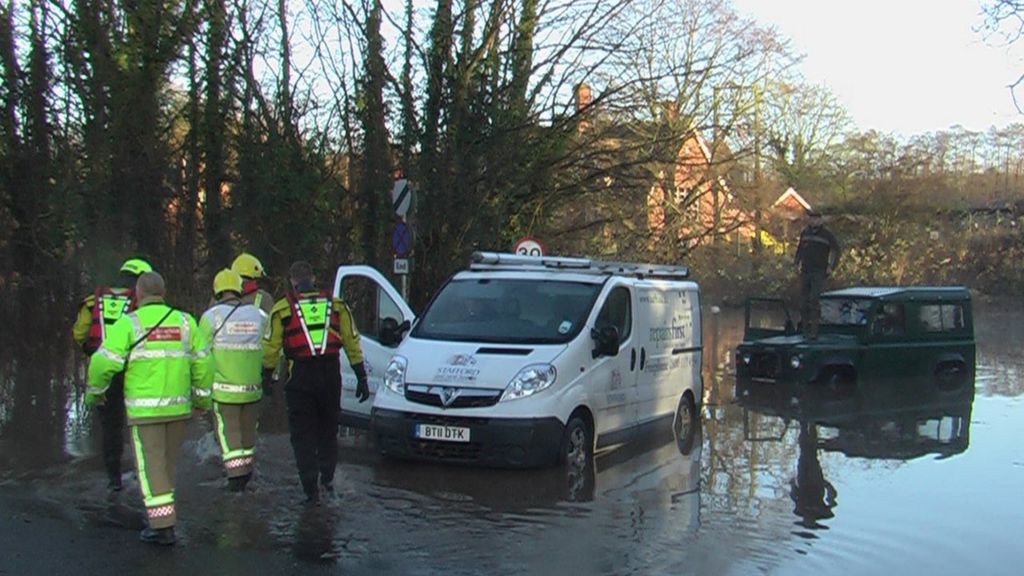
881, 420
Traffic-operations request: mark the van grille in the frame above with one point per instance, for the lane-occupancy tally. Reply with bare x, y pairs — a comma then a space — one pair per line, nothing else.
432, 395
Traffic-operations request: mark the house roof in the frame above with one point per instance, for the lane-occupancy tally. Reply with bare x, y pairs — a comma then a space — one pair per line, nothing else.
790, 193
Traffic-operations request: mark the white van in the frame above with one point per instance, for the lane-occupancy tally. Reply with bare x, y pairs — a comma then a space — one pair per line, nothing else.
526, 361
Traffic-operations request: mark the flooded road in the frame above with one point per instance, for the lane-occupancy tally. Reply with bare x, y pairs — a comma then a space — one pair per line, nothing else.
780, 483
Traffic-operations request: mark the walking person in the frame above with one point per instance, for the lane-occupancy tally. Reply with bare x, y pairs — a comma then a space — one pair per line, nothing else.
252, 273
235, 331
816, 257
166, 365
311, 327
97, 314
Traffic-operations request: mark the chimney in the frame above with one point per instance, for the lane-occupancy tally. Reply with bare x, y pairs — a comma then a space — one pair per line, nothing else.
584, 96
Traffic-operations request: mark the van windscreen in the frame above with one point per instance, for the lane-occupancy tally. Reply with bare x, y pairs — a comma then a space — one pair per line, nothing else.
508, 311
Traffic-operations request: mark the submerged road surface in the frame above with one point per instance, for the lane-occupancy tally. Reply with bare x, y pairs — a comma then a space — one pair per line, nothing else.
771, 484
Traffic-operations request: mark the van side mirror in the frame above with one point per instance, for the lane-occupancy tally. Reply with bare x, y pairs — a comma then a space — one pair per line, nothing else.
606, 339
391, 332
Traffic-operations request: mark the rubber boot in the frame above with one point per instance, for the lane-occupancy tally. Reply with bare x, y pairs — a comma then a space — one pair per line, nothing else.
158, 536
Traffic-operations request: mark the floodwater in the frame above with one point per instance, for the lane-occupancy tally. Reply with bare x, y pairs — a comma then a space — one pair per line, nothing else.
915, 483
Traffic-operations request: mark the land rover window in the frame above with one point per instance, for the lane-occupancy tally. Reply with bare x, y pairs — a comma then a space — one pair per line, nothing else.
942, 317
617, 311
845, 311
509, 311
890, 320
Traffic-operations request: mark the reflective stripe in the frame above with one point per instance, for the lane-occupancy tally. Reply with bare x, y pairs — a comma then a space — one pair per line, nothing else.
222, 435
202, 354
202, 393
161, 511
140, 460
96, 390
160, 500
186, 330
236, 388
159, 354
106, 353
238, 346
240, 453
238, 463
136, 326
156, 402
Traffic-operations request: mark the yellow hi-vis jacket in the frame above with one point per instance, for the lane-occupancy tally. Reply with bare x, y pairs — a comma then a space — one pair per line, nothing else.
167, 372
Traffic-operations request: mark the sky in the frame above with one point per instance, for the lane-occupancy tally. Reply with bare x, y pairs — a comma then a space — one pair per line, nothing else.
901, 66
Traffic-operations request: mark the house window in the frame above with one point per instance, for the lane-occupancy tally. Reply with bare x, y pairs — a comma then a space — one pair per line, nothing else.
942, 317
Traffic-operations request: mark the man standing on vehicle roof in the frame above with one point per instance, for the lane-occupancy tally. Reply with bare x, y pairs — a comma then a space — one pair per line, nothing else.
312, 328
235, 330
98, 312
166, 364
816, 256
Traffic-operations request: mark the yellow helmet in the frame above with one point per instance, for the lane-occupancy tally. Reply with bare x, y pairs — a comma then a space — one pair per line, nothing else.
227, 280
247, 266
136, 267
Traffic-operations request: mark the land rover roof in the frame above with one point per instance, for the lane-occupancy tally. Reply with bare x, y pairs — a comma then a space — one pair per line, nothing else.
903, 293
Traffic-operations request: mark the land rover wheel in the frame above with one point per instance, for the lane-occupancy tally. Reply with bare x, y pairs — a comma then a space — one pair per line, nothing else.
685, 423
577, 444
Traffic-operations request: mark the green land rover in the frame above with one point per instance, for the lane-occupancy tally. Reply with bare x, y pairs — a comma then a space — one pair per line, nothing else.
865, 334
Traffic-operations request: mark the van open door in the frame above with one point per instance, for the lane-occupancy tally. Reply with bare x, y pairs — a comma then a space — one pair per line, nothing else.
383, 319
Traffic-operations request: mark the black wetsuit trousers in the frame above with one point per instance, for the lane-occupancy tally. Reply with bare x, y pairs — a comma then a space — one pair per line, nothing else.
112, 420
313, 395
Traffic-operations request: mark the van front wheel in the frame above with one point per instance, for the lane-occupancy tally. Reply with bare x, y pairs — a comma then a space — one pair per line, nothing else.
577, 445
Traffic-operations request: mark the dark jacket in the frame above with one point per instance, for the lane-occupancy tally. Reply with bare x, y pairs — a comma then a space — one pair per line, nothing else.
818, 250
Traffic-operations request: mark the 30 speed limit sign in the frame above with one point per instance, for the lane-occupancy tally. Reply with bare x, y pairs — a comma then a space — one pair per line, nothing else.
528, 247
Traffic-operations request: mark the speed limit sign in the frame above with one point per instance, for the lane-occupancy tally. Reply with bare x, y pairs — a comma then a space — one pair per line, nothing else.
528, 247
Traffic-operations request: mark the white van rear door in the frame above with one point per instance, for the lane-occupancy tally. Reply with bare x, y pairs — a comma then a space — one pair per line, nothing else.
669, 340
371, 298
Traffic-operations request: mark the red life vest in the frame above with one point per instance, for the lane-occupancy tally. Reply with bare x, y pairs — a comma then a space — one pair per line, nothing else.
312, 328
249, 286
108, 306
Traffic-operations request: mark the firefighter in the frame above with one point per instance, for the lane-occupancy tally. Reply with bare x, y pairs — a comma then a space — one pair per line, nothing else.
235, 331
311, 328
98, 312
167, 373
252, 271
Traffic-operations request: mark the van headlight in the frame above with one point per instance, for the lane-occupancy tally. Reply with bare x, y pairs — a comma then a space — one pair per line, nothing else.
394, 375
530, 380
796, 361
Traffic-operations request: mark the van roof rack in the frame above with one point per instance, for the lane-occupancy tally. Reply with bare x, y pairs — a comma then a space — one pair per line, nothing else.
504, 261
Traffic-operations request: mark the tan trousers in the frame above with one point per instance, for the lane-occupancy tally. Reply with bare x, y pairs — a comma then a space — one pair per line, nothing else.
156, 449
236, 433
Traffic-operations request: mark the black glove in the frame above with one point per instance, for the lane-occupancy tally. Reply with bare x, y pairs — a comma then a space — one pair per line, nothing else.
268, 381
362, 388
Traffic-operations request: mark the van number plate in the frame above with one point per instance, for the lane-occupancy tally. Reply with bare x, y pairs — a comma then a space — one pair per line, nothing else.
444, 433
